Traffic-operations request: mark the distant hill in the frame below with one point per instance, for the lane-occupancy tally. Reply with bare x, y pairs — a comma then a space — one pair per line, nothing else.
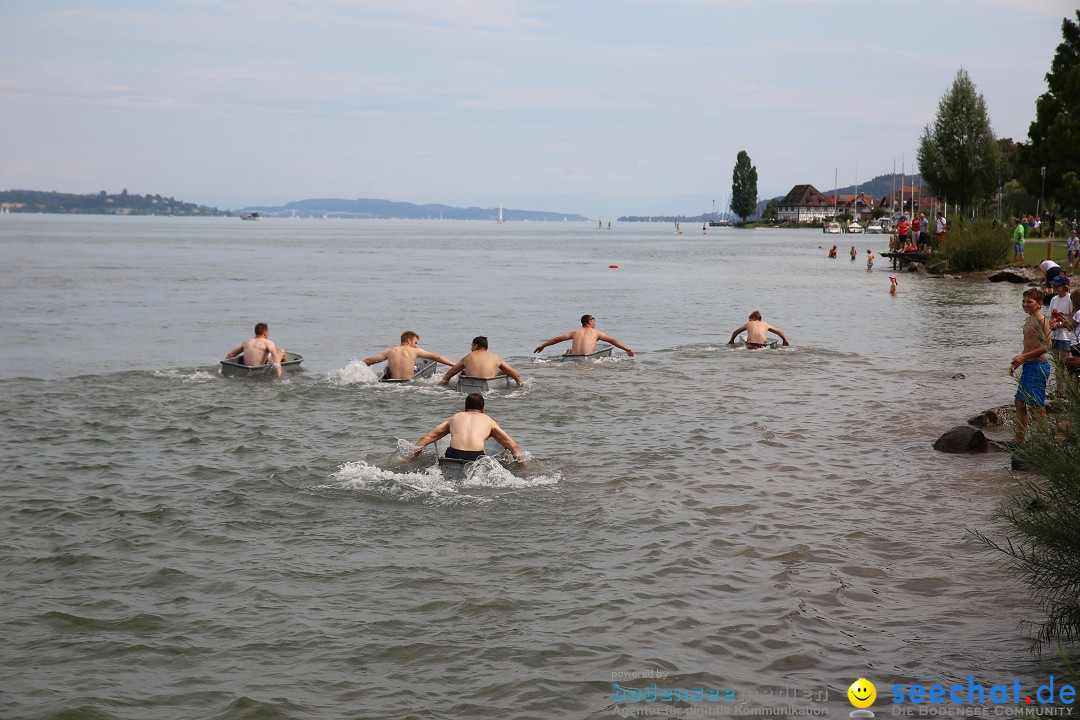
878, 187
388, 209
37, 201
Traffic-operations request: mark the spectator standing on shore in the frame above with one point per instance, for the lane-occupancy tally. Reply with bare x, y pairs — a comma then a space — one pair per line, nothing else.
1018, 242
1073, 244
1051, 223
902, 228
940, 229
915, 229
924, 232
1061, 338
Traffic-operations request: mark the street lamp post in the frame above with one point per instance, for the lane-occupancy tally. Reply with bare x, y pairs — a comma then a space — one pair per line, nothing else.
1042, 202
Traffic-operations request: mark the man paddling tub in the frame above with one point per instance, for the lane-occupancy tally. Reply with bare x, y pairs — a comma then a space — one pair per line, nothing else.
401, 360
583, 340
260, 350
756, 332
481, 363
468, 431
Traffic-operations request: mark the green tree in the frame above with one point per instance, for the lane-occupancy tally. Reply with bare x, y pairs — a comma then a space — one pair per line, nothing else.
743, 187
958, 155
772, 210
1010, 159
1054, 136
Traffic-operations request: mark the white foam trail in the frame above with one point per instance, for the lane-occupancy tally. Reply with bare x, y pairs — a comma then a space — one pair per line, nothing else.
355, 373
199, 376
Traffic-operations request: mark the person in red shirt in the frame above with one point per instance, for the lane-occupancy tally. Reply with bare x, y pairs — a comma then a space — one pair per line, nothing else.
902, 228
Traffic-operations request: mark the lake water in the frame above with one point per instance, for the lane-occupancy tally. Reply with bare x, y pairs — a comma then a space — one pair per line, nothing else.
176, 544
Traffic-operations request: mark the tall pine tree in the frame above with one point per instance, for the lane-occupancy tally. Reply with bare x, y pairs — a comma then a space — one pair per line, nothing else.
743, 187
959, 157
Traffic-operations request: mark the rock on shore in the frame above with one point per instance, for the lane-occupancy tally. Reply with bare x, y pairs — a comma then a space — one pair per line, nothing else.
1013, 275
962, 439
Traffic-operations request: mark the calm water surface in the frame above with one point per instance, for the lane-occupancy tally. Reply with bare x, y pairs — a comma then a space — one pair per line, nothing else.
176, 544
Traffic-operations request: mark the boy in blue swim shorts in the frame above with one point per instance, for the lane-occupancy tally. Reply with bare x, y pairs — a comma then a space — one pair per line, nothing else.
1032, 390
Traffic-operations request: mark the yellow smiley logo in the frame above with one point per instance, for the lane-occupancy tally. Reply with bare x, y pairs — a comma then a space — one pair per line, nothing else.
862, 693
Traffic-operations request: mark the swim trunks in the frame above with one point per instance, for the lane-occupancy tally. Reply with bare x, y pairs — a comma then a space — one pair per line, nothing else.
1032, 390
756, 346
468, 455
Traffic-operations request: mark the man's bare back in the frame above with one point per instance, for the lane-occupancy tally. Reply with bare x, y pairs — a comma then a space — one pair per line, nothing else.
757, 331
583, 339
259, 350
481, 364
401, 359
469, 431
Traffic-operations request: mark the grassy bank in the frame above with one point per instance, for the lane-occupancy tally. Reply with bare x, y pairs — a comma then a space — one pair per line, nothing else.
1042, 518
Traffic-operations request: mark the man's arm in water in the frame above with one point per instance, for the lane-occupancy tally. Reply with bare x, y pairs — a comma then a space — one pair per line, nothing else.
506, 441
376, 358
507, 370
561, 338
613, 341
433, 356
440, 430
782, 336
458, 367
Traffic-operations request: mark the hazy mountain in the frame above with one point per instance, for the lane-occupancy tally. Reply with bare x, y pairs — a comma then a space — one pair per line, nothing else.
878, 187
388, 209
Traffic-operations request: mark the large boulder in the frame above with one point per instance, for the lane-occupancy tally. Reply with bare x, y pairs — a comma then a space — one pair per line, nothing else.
1011, 274
962, 439
915, 267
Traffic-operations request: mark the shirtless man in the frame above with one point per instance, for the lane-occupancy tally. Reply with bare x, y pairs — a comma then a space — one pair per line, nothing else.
401, 360
260, 350
584, 339
468, 432
481, 363
756, 332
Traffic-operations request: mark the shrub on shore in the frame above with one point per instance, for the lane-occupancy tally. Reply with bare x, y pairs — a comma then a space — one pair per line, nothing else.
1042, 518
979, 245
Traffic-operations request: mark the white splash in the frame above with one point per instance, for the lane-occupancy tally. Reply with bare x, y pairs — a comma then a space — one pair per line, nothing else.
355, 373
199, 376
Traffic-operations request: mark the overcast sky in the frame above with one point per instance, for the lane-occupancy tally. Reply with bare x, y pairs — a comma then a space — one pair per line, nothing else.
599, 107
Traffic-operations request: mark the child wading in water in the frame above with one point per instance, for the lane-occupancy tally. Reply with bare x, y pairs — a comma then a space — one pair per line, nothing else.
1032, 390
869, 259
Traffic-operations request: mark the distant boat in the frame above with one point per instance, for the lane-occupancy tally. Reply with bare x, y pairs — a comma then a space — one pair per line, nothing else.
500, 215
832, 228
251, 216
874, 228
854, 227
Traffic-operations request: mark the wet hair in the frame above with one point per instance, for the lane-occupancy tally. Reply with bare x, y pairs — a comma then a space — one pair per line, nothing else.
409, 335
585, 319
1034, 293
481, 342
260, 328
474, 401
755, 315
